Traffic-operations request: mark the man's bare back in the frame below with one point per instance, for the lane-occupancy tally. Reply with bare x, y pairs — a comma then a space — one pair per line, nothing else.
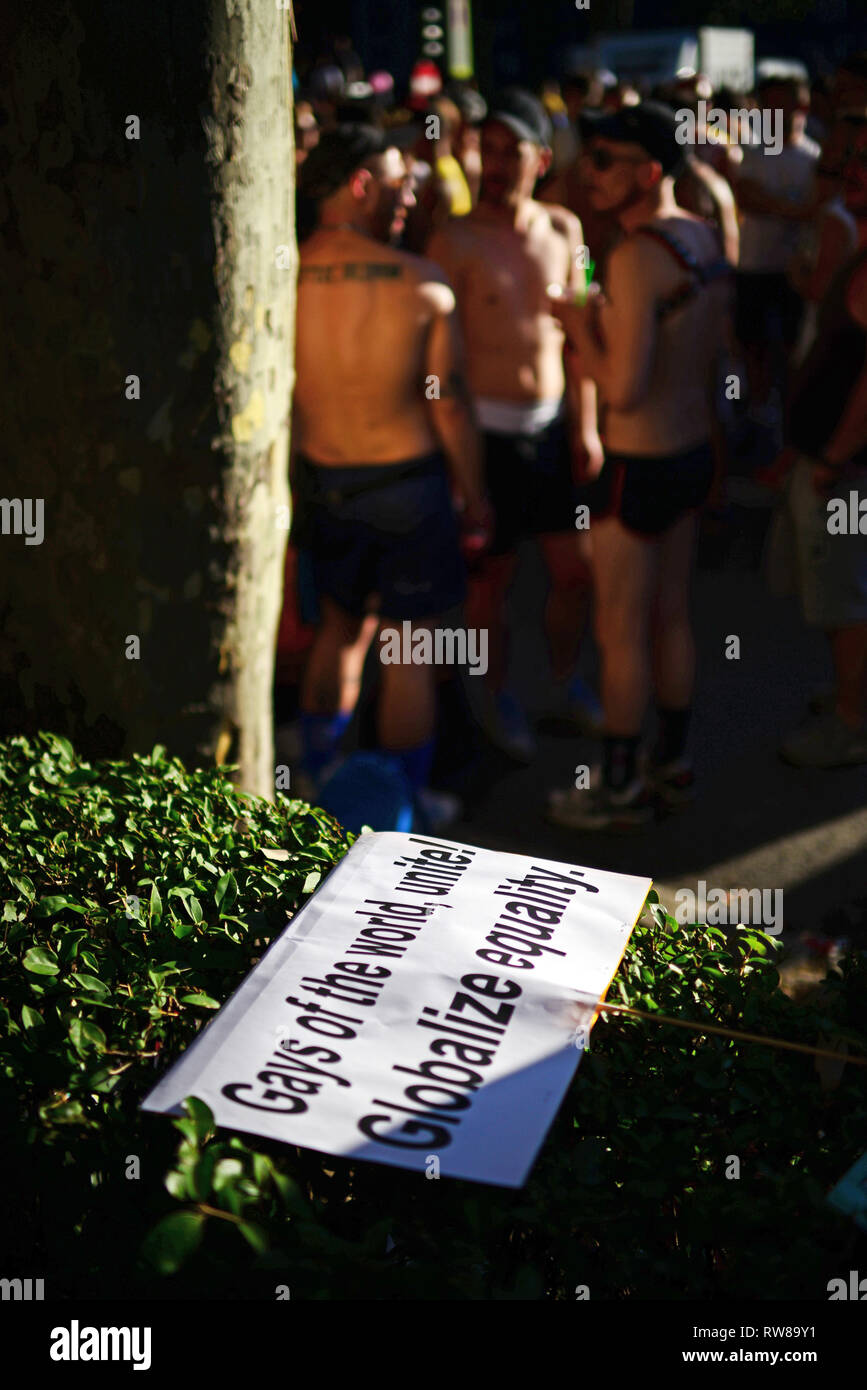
514, 347
364, 318
660, 399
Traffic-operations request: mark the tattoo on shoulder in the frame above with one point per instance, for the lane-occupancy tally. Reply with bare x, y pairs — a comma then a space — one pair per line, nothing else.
351, 270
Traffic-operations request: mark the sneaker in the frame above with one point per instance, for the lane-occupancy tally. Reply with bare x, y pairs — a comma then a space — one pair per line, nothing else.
825, 742
673, 782
599, 808
437, 810
507, 727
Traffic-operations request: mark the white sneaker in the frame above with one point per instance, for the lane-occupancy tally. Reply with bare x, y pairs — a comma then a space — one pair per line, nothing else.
598, 808
825, 741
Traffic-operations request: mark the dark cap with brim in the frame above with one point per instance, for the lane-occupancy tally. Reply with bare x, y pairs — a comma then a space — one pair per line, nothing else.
650, 124
522, 114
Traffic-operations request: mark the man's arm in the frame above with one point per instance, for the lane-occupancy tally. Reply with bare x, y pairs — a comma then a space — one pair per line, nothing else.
850, 435
836, 243
615, 334
442, 251
449, 401
724, 201
580, 388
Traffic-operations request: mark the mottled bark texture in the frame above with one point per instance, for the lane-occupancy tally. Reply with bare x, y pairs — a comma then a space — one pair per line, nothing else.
159, 257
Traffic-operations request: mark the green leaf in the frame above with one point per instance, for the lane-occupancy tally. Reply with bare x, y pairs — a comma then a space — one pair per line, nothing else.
178, 1185
156, 906
64, 746
24, 885
91, 984
31, 1018
311, 880
173, 1240
41, 960
202, 1117
203, 1000
200, 1178
227, 1171
226, 892
84, 1034
47, 907
254, 1235
182, 929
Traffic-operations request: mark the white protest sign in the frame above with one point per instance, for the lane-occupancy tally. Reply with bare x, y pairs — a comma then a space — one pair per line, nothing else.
430, 999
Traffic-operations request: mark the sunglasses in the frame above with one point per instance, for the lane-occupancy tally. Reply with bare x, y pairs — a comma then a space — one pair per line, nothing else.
603, 159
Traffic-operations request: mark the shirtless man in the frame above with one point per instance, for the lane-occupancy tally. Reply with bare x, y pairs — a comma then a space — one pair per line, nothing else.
500, 259
650, 343
374, 326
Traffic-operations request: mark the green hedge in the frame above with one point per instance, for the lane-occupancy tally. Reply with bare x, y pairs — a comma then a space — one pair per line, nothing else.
136, 896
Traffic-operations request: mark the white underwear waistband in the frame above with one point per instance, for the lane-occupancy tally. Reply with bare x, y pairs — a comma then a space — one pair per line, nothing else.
515, 417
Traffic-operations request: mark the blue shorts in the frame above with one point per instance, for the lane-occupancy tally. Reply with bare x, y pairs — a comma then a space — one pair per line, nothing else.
383, 538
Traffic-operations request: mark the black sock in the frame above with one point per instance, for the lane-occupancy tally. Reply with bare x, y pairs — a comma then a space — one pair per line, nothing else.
672, 731
621, 761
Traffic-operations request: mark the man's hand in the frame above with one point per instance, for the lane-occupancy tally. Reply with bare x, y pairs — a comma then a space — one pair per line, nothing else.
477, 528
826, 479
588, 455
578, 319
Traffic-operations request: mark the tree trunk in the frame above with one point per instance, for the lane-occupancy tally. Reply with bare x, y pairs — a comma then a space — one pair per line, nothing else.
164, 254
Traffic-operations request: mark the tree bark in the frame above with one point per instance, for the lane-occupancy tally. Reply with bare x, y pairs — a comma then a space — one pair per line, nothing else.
171, 258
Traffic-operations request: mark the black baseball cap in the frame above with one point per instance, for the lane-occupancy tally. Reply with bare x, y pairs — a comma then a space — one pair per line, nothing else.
650, 124
523, 114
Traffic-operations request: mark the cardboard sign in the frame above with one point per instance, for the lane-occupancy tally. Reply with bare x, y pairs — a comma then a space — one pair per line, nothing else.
431, 999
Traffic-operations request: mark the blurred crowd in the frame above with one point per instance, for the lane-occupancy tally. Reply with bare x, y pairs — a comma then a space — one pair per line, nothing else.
573, 316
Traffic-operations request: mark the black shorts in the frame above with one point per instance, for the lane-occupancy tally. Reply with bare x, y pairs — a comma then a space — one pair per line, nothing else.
648, 495
381, 537
529, 482
767, 308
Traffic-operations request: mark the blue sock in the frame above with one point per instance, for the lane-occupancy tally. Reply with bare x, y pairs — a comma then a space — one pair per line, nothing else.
320, 739
416, 763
